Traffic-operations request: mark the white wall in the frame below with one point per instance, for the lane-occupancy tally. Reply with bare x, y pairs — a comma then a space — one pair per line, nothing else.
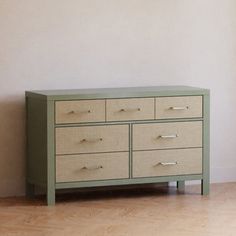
53, 44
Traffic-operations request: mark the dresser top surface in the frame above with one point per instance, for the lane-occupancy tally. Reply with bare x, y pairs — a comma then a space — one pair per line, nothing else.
116, 92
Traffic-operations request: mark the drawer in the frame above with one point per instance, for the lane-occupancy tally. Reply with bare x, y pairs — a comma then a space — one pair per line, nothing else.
167, 162
85, 167
167, 135
130, 109
80, 111
90, 139
178, 107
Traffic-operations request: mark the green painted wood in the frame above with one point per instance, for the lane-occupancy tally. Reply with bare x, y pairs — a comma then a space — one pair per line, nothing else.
130, 151
40, 147
29, 187
103, 93
51, 179
205, 185
181, 185
115, 182
128, 122
36, 151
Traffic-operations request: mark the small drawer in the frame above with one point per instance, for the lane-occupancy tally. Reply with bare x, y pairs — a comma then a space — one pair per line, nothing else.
80, 111
90, 139
130, 109
167, 162
86, 167
167, 135
178, 107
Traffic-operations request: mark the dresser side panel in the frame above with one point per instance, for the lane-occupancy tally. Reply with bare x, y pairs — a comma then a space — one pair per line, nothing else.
36, 141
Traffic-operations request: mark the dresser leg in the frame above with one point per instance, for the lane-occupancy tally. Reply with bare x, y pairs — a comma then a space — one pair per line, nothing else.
181, 185
29, 190
205, 187
51, 197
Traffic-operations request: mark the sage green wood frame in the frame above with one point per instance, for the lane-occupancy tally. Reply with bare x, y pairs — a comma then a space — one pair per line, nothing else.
40, 124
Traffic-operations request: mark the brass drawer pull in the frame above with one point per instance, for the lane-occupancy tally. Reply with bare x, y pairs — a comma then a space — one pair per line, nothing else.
91, 140
79, 112
130, 110
166, 163
169, 136
92, 168
179, 108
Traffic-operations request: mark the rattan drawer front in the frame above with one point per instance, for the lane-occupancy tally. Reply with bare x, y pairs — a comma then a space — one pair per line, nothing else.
167, 135
86, 167
167, 162
80, 111
130, 109
90, 139
178, 107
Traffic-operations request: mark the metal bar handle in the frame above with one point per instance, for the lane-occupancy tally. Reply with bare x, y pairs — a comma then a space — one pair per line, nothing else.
79, 112
179, 108
92, 168
167, 163
130, 109
91, 140
168, 136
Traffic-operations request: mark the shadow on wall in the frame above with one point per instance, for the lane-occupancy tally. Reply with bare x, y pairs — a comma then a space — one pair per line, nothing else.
12, 146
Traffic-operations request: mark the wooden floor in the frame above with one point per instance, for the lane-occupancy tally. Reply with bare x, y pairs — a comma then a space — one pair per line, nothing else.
143, 211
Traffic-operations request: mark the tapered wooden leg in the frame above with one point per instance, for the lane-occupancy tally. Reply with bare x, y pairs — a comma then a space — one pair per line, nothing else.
181, 185
205, 187
29, 190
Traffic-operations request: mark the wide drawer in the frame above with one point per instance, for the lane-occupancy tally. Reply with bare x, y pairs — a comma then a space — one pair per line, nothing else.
80, 111
167, 162
90, 139
167, 135
178, 107
86, 167
130, 109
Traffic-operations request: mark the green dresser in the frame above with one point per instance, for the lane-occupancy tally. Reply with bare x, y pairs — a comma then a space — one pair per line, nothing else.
116, 136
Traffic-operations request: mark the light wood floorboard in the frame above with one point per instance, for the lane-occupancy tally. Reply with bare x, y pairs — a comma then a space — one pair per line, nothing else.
142, 211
